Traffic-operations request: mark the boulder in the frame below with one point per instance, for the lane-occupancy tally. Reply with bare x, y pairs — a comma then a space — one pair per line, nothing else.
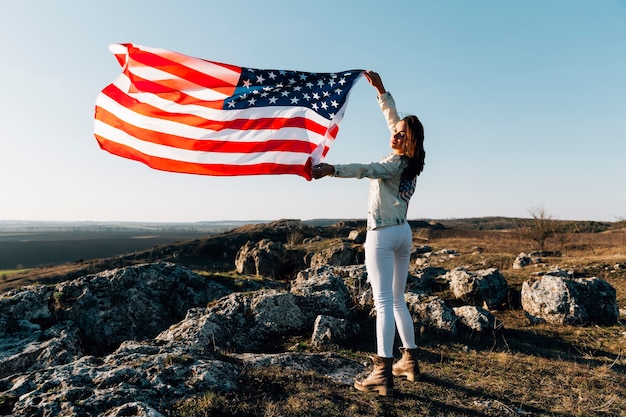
322, 291
131, 303
264, 258
485, 287
329, 330
431, 312
560, 300
239, 322
340, 254
477, 319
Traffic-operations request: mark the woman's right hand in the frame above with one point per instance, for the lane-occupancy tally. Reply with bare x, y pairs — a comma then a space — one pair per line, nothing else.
374, 79
322, 170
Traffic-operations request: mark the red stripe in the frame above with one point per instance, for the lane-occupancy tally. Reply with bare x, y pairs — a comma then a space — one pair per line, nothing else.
177, 69
130, 103
170, 165
203, 145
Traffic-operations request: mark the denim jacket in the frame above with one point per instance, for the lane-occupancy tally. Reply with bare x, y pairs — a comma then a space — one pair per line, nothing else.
389, 194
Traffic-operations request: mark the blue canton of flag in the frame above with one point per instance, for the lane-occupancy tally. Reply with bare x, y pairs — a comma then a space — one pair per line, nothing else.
324, 93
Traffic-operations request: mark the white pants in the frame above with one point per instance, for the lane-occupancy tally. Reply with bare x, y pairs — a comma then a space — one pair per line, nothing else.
387, 257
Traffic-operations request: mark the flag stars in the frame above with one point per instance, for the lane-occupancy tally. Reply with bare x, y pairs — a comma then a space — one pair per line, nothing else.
318, 92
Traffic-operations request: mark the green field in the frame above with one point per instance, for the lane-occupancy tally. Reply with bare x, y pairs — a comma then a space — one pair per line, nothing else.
19, 250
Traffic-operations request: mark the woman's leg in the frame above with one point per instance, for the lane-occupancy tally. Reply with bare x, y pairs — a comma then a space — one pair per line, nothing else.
402, 258
379, 261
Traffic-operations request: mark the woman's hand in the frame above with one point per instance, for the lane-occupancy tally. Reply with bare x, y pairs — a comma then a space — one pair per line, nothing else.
374, 79
322, 170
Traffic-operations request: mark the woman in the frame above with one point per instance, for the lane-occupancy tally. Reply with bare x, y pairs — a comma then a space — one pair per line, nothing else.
389, 239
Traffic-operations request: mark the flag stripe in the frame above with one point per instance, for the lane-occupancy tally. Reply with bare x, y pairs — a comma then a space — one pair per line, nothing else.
179, 74
207, 145
204, 168
191, 119
155, 149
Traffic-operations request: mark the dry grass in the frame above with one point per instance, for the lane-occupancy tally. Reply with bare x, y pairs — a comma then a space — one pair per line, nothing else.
540, 370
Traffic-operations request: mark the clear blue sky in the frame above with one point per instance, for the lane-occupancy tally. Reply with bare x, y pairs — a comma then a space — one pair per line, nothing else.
523, 103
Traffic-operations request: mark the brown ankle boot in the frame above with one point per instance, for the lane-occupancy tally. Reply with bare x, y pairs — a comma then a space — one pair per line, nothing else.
407, 365
381, 378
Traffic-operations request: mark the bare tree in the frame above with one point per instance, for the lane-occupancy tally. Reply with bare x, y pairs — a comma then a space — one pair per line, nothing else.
541, 226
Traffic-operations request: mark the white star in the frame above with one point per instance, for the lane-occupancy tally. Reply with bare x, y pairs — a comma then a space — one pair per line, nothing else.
231, 103
306, 96
338, 91
342, 81
297, 88
316, 96
309, 84
273, 100
279, 85
334, 103
255, 91
331, 115
320, 83
264, 94
260, 79
331, 82
295, 100
324, 105
284, 93
247, 83
292, 81
303, 77
252, 101
272, 75
326, 93
314, 106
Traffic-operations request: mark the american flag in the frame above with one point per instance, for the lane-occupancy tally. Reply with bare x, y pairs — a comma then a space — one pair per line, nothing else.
183, 114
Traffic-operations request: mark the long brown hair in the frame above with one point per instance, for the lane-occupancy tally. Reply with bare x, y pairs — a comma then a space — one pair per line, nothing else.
413, 147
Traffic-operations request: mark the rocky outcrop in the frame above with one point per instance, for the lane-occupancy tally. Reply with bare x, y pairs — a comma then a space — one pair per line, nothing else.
135, 340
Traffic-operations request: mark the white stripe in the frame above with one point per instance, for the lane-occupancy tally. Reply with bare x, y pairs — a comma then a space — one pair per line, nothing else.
123, 83
192, 132
161, 151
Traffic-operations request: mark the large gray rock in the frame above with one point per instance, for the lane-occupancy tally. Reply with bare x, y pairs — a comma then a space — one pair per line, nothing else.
323, 291
239, 322
485, 287
431, 312
341, 254
561, 300
36, 349
30, 304
477, 319
131, 303
264, 258
329, 330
